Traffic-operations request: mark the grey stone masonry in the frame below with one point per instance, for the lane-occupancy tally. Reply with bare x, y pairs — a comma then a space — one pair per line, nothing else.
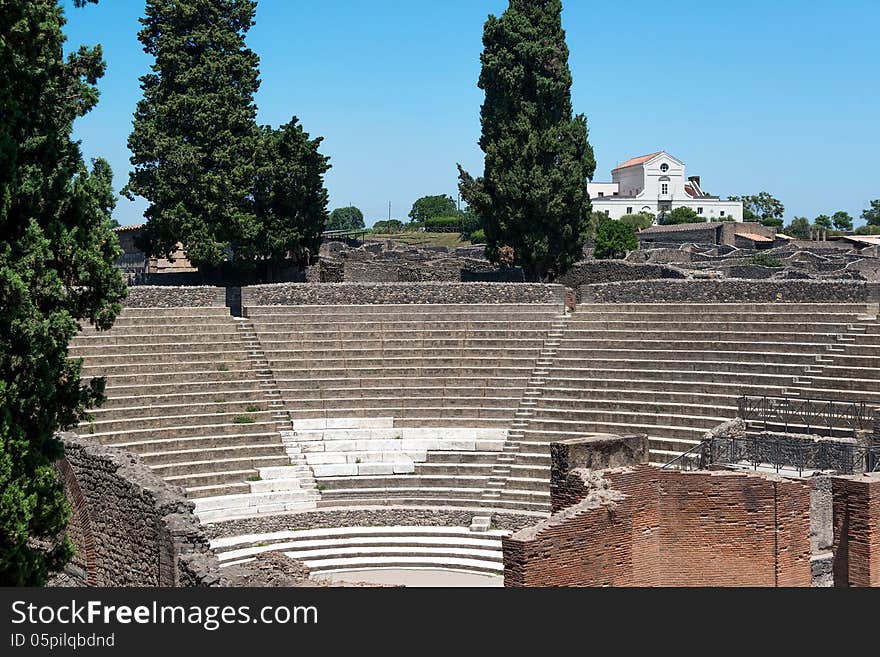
175, 297
130, 527
363, 517
334, 294
727, 291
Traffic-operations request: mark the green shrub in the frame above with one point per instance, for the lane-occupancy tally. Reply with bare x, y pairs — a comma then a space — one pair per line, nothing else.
243, 419
443, 225
253, 408
478, 236
683, 215
388, 227
614, 239
638, 221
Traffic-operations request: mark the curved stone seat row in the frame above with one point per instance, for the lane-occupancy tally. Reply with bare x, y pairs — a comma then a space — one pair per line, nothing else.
674, 371
183, 393
447, 371
369, 548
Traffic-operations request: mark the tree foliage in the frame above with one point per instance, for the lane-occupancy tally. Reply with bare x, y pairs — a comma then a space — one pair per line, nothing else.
762, 207
842, 221
194, 135
532, 195
56, 268
615, 239
638, 221
431, 207
823, 221
350, 218
212, 177
872, 214
683, 215
799, 227
290, 200
388, 227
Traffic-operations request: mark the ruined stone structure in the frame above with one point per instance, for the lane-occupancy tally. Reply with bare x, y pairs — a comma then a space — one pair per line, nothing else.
394, 425
644, 526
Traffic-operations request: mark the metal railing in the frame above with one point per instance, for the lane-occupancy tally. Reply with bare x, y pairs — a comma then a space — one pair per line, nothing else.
693, 459
761, 452
810, 416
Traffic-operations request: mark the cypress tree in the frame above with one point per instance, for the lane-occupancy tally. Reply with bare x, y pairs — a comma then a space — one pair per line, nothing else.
290, 200
195, 137
533, 192
56, 269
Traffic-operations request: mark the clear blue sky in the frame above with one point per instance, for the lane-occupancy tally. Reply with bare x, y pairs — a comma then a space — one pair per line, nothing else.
775, 95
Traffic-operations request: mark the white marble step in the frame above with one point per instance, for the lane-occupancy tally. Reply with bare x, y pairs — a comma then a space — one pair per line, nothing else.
313, 549
349, 532
447, 563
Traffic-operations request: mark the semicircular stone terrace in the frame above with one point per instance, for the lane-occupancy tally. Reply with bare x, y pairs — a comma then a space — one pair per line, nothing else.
301, 409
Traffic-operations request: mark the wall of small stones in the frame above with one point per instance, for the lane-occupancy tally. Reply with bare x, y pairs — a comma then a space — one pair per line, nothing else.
175, 297
610, 271
728, 291
569, 459
363, 517
130, 527
400, 293
651, 527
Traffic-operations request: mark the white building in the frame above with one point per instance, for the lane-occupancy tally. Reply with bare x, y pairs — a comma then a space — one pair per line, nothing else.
657, 184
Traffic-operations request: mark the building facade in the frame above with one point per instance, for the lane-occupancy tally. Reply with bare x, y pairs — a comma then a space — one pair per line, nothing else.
657, 184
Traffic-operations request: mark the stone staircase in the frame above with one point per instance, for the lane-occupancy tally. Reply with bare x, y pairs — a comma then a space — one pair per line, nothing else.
186, 393
675, 371
404, 405
521, 476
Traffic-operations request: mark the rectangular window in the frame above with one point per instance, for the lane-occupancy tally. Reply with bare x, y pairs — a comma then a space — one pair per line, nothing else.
699, 210
664, 189
629, 210
722, 213
607, 213
601, 194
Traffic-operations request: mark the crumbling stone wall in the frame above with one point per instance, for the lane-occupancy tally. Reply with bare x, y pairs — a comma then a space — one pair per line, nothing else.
644, 526
129, 526
175, 297
293, 294
363, 517
570, 459
728, 291
608, 271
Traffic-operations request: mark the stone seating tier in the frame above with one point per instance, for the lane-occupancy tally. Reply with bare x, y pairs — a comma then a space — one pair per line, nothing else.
370, 548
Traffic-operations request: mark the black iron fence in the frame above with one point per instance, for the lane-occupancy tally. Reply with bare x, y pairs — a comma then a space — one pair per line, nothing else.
781, 454
808, 416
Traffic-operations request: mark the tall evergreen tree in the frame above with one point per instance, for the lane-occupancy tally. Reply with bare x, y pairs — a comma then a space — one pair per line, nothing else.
290, 200
533, 192
56, 268
195, 136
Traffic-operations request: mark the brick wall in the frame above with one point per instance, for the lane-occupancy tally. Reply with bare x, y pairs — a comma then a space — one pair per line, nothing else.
856, 501
667, 528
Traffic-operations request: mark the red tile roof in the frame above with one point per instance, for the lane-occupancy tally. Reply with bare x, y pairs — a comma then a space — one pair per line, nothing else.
755, 237
638, 160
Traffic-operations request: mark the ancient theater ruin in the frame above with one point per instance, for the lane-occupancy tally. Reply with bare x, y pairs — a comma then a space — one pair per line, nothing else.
628, 433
